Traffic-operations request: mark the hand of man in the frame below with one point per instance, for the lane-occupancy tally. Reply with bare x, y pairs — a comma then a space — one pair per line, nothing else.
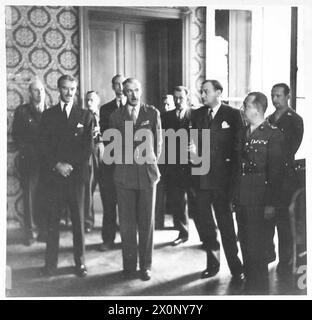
269, 212
64, 169
96, 132
192, 150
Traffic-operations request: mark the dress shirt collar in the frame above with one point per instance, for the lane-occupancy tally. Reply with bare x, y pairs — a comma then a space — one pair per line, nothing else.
136, 109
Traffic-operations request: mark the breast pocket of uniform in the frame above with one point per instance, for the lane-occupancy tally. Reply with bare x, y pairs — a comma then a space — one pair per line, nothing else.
260, 153
79, 130
144, 125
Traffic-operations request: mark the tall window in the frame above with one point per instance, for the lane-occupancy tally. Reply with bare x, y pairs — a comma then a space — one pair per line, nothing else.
247, 50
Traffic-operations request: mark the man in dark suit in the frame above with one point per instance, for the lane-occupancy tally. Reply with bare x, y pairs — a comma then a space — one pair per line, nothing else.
135, 180
178, 175
291, 126
25, 131
66, 145
259, 181
93, 102
215, 188
107, 187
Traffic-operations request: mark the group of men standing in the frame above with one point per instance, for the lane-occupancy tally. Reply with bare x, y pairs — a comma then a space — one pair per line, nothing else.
251, 173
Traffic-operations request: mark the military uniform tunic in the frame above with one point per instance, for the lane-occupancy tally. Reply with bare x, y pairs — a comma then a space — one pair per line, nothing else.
260, 176
291, 126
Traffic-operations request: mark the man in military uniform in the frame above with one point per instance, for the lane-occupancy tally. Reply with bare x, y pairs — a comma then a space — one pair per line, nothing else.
25, 133
136, 182
178, 175
108, 194
291, 125
93, 101
258, 192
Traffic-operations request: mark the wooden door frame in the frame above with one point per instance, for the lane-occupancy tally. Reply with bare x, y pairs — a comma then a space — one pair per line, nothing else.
136, 13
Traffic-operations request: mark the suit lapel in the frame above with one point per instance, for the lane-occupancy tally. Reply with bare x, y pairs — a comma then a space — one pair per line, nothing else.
73, 116
124, 113
115, 104
217, 119
59, 113
204, 118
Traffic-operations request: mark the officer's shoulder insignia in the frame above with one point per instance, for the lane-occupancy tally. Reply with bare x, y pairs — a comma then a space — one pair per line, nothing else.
268, 124
289, 114
150, 107
272, 126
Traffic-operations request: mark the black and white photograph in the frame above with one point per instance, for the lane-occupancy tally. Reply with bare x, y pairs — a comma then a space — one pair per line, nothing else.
156, 150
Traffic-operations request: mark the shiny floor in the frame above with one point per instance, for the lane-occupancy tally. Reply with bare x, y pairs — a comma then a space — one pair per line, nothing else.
176, 270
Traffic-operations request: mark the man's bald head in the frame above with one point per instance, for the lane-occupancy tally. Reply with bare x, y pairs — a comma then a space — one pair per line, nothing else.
37, 92
93, 101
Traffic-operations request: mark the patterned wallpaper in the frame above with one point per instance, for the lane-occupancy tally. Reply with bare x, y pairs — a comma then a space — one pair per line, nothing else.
198, 52
40, 41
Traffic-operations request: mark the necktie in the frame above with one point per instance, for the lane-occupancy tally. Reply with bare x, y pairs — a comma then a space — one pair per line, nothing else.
96, 120
96, 129
209, 117
133, 115
64, 110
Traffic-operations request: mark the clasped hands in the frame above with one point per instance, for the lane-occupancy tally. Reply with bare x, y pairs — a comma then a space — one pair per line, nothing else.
64, 169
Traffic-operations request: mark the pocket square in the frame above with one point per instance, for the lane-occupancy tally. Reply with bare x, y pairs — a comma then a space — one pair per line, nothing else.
79, 125
225, 125
144, 123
